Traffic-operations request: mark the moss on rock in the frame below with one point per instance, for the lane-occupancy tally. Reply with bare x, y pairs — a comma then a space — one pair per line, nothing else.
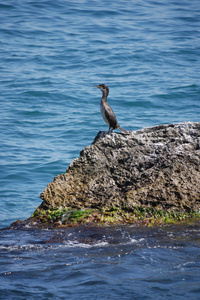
139, 216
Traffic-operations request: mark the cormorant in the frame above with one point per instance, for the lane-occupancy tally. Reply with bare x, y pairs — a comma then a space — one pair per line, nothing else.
106, 111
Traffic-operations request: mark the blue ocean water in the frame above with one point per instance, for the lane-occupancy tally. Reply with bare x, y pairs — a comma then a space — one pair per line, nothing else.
51, 55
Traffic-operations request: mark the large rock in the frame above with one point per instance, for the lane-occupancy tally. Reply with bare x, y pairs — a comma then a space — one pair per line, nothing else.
155, 167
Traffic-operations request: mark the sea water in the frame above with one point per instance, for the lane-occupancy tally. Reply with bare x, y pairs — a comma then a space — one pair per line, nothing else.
52, 53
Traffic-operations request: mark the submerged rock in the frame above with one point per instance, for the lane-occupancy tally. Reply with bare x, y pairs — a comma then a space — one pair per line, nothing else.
156, 167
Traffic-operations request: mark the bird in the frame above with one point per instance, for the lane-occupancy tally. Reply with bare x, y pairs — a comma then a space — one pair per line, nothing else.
106, 111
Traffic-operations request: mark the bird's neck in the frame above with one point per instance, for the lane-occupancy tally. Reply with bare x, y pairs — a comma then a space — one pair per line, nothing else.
104, 96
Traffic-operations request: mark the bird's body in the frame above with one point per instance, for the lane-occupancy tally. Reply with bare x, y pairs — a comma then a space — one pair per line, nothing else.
107, 112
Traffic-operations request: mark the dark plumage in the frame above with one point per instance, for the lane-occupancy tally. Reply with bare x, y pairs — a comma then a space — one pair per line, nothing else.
107, 112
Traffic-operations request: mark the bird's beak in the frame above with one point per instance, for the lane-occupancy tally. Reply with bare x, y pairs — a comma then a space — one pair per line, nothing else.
97, 86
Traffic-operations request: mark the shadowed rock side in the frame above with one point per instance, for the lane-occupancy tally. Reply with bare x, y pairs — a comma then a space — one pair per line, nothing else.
156, 167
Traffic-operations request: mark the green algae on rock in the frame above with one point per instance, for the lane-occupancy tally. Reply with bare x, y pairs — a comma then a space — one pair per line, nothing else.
155, 170
139, 216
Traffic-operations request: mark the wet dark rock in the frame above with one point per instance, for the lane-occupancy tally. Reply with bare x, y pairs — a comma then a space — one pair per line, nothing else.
156, 167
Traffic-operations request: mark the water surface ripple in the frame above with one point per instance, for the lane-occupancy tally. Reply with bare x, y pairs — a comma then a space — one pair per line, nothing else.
101, 263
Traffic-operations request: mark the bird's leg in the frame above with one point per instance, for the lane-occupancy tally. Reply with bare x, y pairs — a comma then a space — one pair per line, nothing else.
108, 130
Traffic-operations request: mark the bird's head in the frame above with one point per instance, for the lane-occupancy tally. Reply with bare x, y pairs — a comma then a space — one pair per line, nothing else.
103, 88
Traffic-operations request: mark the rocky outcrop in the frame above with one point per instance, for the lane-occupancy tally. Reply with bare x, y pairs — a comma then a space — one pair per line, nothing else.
156, 167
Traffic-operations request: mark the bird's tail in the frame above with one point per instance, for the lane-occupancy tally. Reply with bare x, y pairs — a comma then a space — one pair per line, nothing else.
123, 130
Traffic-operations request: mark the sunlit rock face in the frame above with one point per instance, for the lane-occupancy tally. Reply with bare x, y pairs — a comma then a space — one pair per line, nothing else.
155, 167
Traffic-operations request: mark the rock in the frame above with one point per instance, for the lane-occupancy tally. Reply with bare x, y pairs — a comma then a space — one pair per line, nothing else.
156, 167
